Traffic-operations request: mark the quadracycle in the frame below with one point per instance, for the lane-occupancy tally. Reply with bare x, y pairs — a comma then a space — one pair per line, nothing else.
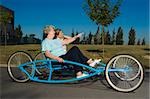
122, 72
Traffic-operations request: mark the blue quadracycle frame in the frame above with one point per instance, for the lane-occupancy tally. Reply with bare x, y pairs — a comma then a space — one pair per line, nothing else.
123, 67
48, 64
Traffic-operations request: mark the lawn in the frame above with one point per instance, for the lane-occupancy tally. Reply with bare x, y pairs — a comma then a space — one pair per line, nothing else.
142, 53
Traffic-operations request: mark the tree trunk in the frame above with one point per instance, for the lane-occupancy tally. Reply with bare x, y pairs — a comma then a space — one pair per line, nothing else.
103, 34
97, 35
5, 31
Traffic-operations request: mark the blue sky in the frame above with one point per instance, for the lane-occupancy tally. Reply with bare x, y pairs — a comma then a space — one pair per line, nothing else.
33, 15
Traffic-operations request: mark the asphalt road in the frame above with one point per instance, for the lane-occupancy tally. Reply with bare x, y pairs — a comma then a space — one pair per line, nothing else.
90, 90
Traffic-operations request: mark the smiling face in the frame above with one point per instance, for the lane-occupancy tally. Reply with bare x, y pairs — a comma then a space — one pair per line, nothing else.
60, 35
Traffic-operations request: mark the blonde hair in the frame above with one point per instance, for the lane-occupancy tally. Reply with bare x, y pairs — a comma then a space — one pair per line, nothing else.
48, 28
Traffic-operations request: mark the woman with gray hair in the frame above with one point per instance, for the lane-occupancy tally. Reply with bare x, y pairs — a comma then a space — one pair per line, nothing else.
53, 48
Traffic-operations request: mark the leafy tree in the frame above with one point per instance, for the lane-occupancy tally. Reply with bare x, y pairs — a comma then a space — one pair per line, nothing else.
18, 33
132, 37
77, 41
113, 41
119, 37
143, 41
98, 39
5, 18
31, 39
90, 38
32, 35
95, 40
107, 38
138, 42
102, 12
25, 39
72, 35
84, 39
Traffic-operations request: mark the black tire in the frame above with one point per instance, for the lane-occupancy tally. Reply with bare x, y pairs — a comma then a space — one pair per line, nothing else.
124, 81
14, 61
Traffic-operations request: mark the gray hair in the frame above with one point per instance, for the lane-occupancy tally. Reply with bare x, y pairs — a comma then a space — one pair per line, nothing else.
47, 28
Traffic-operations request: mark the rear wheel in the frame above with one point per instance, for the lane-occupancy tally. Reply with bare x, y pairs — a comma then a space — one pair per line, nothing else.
124, 73
39, 70
40, 56
14, 61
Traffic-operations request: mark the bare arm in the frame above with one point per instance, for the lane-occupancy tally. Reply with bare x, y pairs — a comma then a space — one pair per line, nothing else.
49, 55
70, 40
67, 37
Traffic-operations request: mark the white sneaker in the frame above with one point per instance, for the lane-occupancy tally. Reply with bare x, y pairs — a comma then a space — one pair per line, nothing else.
96, 61
83, 75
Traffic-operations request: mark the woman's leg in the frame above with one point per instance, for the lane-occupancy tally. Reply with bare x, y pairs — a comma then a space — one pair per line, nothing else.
74, 54
77, 55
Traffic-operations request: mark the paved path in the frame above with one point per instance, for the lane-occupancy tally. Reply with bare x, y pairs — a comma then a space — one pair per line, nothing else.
96, 90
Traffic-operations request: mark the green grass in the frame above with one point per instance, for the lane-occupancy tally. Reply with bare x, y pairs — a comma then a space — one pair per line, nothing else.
142, 53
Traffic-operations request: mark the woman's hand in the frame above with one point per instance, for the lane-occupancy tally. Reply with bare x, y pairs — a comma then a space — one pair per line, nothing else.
60, 60
79, 35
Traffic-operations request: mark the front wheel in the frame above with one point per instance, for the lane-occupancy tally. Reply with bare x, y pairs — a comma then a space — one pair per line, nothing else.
124, 73
14, 61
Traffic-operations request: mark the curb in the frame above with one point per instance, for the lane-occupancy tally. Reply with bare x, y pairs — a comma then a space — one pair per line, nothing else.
147, 70
3, 65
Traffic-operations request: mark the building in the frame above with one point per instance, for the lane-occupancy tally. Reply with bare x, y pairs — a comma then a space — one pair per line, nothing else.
6, 25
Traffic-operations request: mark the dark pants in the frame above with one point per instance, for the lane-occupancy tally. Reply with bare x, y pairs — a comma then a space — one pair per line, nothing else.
74, 54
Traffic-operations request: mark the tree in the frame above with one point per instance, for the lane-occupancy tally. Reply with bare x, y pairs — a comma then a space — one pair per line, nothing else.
132, 38
119, 37
113, 41
31, 39
138, 42
5, 18
84, 41
143, 41
72, 35
25, 39
107, 38
77, 41
102, 12
97, 38
18, 33
90, 38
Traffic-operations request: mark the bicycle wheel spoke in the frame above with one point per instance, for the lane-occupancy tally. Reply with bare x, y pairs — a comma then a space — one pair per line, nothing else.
130, 76
14, 61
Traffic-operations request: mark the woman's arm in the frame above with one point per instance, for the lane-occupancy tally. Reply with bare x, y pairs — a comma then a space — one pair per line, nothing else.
67, 37
70, 40
49, 55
